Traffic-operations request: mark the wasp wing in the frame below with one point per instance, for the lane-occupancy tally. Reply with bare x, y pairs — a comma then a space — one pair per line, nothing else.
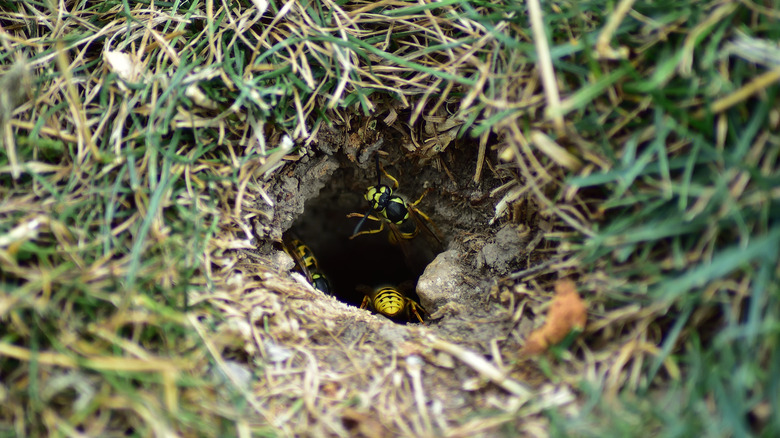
291, 246
420, 219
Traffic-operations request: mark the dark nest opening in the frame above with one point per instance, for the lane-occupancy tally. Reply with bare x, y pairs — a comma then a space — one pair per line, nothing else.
368, 260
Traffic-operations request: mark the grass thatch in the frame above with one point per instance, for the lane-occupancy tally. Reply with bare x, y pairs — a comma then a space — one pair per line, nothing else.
141, 145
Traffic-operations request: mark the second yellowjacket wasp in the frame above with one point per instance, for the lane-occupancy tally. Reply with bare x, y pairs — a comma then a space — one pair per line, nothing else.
307, 264
391, 302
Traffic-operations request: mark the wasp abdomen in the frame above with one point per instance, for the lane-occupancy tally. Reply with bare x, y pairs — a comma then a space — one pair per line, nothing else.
389, 302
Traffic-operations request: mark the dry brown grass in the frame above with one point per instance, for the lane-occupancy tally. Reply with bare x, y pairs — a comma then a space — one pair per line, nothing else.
146, 149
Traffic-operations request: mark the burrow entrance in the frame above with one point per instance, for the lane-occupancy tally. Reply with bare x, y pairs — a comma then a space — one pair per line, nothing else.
315, 195
366, 261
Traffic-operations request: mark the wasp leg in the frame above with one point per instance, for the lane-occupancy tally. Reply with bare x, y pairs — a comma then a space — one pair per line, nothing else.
413, 307
428, 190
373, 218
417, 212
366, 302
420, 213
435, 232
395, 181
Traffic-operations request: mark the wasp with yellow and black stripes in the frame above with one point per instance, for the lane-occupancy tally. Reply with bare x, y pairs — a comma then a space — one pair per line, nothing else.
391, 302
307, 264
404, 219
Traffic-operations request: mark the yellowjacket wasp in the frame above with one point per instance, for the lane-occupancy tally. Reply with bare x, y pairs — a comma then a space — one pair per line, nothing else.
390, 302
307, 264
402, 218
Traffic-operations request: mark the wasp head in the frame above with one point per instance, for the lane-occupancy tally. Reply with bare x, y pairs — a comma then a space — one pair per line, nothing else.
379, 196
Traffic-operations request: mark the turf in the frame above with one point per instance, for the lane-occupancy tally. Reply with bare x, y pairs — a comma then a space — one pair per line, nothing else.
139, 139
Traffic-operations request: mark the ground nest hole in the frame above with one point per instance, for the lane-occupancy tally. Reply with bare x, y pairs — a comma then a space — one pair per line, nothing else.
322, 190
369, 260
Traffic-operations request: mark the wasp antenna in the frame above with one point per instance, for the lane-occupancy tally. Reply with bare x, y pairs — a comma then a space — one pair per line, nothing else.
378, 175
360, 224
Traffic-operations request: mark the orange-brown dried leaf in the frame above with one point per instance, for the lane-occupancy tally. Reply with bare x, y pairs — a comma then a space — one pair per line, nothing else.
362, 425
567, 312
536, 343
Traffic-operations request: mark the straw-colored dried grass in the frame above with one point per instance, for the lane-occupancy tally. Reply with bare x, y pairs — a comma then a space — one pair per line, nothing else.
141, 171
